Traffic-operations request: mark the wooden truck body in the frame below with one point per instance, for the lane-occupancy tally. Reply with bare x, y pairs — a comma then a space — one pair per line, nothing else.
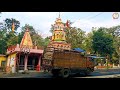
66, 62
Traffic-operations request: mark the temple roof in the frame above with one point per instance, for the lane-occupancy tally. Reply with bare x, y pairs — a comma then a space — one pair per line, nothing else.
26, 40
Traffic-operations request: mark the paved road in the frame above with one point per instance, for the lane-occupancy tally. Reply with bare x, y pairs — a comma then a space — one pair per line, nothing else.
99, 73
27, 75
103, 73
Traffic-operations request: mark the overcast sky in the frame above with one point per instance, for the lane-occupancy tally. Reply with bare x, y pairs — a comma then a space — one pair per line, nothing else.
42, 21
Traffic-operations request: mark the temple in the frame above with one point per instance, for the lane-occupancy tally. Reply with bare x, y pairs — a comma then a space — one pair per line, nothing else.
58, 39
25, 56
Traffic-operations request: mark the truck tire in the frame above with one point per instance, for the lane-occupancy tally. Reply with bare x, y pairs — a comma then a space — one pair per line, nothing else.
65, 73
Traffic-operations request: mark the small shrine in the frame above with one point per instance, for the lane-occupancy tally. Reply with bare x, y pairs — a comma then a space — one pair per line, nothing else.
25, 56
58, 39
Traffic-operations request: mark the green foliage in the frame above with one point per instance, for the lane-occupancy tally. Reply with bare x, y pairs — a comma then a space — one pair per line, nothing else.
7, 37
3, 45
11, 39
46, 42
102, 42
115, 32
9, 22
88, 43
76, 37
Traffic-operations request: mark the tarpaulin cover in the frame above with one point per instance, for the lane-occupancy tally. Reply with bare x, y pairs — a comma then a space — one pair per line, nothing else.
79, 49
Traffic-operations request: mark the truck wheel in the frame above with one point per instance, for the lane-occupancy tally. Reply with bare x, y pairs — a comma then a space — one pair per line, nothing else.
65, 73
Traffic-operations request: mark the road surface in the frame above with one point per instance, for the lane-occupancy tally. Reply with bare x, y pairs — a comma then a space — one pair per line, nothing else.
98, 73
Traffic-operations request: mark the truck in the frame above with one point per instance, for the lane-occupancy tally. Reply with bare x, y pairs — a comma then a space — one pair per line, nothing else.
64, 63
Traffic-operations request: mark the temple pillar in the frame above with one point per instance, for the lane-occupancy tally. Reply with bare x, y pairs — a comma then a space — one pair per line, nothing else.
14, 66
25, 62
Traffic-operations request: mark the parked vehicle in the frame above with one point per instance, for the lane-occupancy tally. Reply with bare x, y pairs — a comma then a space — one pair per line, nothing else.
66, 62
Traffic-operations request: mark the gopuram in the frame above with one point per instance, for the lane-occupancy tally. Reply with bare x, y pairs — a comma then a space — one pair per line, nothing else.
58, 39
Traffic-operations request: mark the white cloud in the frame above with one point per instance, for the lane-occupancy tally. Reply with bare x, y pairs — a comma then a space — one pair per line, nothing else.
87, 25
44, 15
44, 28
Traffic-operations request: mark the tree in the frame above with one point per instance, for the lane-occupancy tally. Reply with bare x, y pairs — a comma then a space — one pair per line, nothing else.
9, 22
76, 37
115, 32
46, 42
3, 45
117, 47
11, 37
102, 43
88, 43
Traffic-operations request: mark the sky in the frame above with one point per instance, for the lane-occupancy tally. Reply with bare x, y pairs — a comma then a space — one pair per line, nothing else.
42, 21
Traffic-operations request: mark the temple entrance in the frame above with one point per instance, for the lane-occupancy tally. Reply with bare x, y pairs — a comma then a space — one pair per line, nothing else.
20, 63
32, 61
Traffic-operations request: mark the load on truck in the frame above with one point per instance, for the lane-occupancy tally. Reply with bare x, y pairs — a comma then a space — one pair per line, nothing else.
66, 62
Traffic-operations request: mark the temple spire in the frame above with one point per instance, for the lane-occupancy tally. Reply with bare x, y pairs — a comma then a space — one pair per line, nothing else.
26, 40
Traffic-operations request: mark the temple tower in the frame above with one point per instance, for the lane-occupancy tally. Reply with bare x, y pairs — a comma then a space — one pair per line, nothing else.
59, 36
